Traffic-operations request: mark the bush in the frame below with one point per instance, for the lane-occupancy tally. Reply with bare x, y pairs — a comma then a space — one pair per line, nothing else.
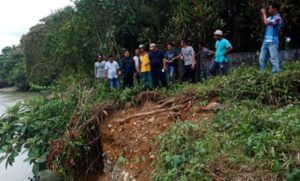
258, 128
247, 83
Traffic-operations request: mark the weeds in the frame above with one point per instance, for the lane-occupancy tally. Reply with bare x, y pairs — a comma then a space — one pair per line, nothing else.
258, 128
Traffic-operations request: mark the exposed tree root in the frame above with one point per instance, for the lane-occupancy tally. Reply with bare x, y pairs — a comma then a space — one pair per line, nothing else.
150, 113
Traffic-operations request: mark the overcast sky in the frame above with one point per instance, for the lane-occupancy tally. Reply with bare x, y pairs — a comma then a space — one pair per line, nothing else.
17, 16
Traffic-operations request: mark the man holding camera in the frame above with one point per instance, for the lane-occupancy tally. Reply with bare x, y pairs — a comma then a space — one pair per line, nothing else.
270, 46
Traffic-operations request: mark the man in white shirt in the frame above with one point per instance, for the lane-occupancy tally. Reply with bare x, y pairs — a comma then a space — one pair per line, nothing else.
99, 68
136, 62
112, 71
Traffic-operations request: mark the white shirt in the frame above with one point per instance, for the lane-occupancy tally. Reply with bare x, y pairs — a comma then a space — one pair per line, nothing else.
136, 62
112, 69
99, 69
187, 54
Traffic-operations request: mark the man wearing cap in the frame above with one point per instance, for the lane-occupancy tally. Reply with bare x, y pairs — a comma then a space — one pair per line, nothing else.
269, 48
158, 66
223, 48
99, 68
145, 68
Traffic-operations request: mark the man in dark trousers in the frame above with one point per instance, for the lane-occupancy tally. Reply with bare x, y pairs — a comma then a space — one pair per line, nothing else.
204, 55
158, 66
220, 60
187, 55
127, 67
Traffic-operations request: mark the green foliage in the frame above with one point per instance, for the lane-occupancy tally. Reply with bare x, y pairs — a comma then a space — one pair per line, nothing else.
271, 141
12, 68
293, 176
183, 152
17, 76
274, 138
122, 160
258, 128
27, 126
34, 124
247, 83
67, 41
41, 47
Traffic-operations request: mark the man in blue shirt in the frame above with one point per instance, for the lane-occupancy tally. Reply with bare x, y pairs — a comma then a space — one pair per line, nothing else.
158, 66
223, 48
269, 47
171, 55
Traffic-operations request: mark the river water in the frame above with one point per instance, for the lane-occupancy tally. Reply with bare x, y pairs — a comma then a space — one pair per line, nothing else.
19, 171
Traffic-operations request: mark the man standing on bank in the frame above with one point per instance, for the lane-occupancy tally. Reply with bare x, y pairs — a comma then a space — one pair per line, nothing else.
127, 67
270, 47
112, 73
170, 54
145, 68
188, 56
99, 68
204, 60
223, 48
158, 66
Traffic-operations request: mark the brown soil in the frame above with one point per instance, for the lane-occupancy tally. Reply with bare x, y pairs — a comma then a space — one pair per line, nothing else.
128, 136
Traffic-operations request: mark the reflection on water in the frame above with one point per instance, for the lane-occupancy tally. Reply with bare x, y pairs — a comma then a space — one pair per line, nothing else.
20, 170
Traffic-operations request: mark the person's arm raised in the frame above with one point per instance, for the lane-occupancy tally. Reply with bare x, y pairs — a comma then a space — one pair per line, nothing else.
264, 16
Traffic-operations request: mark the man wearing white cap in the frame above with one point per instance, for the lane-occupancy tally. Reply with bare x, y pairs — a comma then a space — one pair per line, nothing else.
223, 48
158, 66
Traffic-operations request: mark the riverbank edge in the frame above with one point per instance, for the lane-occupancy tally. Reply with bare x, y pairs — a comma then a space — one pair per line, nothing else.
10, 89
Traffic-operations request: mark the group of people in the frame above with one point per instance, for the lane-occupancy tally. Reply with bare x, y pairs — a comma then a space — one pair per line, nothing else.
157, 68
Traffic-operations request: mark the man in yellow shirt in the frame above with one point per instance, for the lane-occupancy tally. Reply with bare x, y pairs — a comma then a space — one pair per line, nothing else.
145, 68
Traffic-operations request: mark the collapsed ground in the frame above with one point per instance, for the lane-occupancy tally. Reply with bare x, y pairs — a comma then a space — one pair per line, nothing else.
128, 136
245, 126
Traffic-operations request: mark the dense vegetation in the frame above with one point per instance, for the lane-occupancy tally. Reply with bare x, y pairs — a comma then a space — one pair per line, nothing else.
257, 126
257, 130
12, 68
67, 41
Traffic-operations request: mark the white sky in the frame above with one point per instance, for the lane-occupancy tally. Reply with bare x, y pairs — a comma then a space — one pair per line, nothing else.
17, 16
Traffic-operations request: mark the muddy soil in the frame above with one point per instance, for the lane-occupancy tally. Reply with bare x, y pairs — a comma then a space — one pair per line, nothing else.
128, 136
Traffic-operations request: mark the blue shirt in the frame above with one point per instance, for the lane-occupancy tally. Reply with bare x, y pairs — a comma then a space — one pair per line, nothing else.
156, 59
170, 55
221, 48
272, 30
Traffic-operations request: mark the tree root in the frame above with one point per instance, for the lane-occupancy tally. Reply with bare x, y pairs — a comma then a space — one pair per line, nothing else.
126, 120
165, 103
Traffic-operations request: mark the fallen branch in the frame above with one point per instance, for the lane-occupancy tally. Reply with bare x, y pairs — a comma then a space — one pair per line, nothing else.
150, 113
162, 101
168, 102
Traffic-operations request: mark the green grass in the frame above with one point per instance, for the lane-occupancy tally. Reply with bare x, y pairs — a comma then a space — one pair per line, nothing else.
258, 128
